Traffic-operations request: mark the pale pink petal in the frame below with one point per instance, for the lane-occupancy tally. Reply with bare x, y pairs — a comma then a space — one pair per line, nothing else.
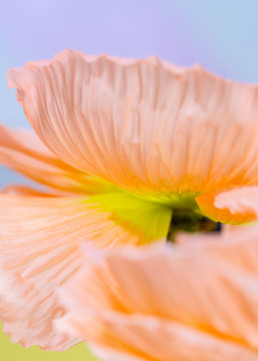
23, 151
239, 200
22, 190
236, 206
236, 245
144, 338
109, 354
39, 239
142, 124
213, 303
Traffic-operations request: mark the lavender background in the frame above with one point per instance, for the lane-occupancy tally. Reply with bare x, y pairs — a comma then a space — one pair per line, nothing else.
221, 35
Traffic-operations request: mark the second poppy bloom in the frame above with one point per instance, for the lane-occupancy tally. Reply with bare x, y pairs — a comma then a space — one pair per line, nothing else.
194, 301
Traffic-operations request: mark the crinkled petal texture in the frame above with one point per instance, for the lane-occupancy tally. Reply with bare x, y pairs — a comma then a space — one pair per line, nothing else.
143, 125
132, 134
24, 152
190, 302
39, 240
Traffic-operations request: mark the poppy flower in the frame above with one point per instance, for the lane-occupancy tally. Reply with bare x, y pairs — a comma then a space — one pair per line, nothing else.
194, 301
125, 147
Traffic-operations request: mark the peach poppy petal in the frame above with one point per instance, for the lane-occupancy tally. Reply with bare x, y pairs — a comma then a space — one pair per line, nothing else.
24, 152
108, 354
236, 245
236, 206
39, 240
149, 338
186, 286
21, 190
142, 124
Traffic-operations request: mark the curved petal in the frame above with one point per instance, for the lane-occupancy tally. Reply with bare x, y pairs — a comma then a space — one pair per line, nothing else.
21, 190
39, 239
207, 295
141, 338
236, 206
24, 152
108, 354
236, 245
142, 124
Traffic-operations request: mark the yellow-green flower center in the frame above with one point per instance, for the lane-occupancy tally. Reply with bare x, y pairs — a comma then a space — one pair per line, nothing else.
151, 216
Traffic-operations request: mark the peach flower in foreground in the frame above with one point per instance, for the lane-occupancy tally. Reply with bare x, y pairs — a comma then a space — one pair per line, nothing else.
192, 302
125, 147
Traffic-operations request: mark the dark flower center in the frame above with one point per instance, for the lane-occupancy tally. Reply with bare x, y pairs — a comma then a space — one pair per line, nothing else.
185, 220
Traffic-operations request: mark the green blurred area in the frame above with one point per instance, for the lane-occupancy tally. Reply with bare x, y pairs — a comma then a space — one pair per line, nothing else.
15, 352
